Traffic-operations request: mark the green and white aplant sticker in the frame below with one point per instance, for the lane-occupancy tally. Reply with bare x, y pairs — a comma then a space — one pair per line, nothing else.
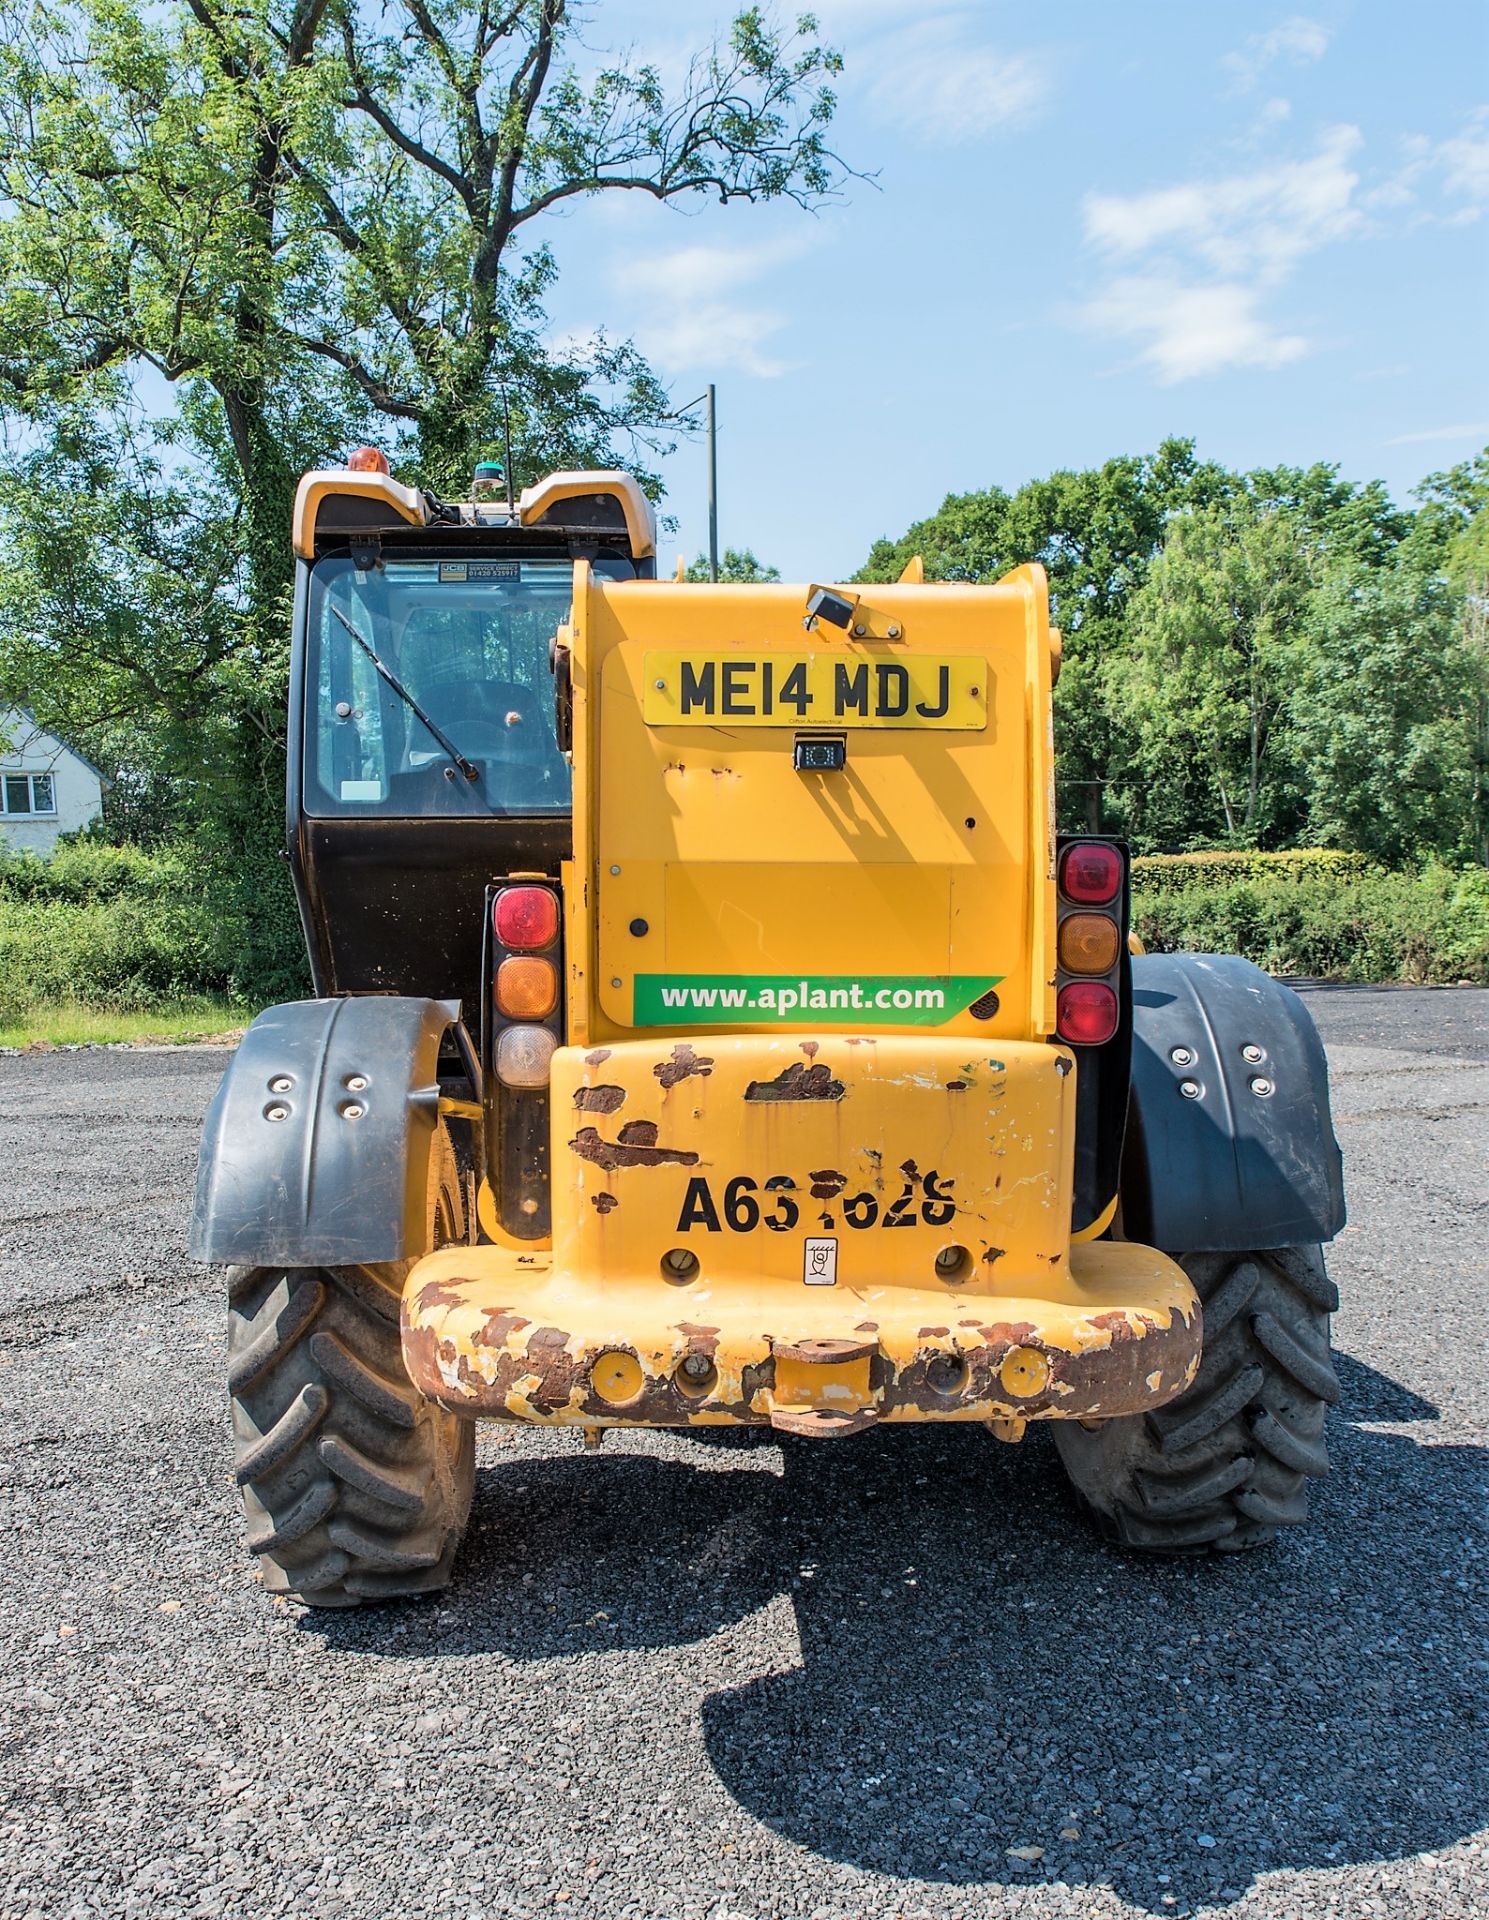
750, 999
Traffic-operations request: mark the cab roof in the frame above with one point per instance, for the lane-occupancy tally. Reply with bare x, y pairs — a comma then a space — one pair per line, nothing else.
336, 505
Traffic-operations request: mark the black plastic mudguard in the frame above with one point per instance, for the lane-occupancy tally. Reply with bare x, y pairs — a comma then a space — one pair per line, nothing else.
1229, 1141
291, 1172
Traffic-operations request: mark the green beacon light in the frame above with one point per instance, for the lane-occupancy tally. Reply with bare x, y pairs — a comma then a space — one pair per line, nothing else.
490, 482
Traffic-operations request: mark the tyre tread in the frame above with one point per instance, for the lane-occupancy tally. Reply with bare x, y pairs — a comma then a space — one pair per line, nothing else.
1229, 1462
355, 1487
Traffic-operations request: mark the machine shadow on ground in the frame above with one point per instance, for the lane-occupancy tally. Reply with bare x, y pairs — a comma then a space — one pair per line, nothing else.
978, 1670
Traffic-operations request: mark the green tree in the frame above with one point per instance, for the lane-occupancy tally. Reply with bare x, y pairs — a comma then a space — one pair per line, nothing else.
1348, 521
319, 224
120, 588
1382, 715
1451, 532
736, 564
1451, 504
1095, 533
298, 192
1205, 677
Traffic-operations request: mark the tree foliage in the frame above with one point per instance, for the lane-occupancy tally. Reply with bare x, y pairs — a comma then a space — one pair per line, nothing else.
1382, 715
736, 565
1251, 659
313, 223
1205, 676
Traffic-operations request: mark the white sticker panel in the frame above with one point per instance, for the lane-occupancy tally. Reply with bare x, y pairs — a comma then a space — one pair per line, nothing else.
820, 1263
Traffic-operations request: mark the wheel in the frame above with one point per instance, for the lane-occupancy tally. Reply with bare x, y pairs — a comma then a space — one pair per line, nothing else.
1228, 1462
355, 1487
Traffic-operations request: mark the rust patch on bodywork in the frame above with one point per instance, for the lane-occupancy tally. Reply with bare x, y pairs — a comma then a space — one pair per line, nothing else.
515, 1336
1004, 1334
827, 1184
811, 1048
604, 1202
797, 1082
500, 1324
823, 1352
683, 1064
701, 1340
956, 1086
1118, 1325
636, 1147
598, 1057
438, 1293
599, 1099
821, 1423
548, 1356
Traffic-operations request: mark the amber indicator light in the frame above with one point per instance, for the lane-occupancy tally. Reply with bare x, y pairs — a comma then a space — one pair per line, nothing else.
1088, 943
526, 987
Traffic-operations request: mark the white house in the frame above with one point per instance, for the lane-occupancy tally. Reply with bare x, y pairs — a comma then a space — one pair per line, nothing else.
45, 788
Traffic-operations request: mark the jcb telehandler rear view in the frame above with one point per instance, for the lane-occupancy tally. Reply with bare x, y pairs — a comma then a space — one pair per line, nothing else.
713, 1029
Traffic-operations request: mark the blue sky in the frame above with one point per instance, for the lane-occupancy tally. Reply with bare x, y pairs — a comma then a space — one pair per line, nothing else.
1093, 225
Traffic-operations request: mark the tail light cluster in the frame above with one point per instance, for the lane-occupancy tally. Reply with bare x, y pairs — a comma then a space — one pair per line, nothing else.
524, 1024
1091, 881
526, 988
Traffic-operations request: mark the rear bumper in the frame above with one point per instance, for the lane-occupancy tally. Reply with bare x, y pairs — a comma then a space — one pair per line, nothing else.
869, 1229
494, 1333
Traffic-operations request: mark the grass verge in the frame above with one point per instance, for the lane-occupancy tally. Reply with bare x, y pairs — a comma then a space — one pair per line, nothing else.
75, 1023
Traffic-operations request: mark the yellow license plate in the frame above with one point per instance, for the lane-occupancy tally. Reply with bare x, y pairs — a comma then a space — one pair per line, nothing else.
848, 689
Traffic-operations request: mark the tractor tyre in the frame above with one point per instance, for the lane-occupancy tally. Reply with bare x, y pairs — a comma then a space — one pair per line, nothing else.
1226, 1464
355, 1487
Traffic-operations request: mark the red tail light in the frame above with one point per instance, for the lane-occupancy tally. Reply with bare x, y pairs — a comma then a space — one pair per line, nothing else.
1090, 874
1086, 1013
526, 917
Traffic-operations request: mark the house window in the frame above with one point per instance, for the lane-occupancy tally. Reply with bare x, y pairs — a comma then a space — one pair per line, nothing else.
27, 793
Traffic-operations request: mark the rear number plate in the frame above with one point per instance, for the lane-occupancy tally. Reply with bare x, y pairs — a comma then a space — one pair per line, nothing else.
814, 690
781, 1203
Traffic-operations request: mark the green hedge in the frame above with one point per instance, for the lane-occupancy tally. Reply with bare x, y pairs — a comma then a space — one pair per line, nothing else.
119, 927
1173, 872
1331, 917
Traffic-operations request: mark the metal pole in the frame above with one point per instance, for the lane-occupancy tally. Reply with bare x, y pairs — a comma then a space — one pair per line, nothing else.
713, 489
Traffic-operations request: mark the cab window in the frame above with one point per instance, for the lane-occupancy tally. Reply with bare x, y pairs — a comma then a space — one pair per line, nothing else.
469, 641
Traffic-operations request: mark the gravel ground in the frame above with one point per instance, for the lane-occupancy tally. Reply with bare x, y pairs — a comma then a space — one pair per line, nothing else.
737, 1682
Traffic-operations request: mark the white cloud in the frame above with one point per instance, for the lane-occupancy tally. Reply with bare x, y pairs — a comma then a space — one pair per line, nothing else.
933, 72
1297, 40
685, 319
1262, 222
1464, 159
1458, 166
940, 81
1187, 331
1476, 430
1191, 264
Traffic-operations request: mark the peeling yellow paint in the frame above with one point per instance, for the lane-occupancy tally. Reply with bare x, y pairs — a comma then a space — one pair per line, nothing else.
487, 1331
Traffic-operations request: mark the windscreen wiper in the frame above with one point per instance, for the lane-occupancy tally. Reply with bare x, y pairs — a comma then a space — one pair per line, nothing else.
467, 767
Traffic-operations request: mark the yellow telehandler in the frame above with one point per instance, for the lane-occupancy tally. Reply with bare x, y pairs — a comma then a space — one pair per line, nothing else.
712, 1029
